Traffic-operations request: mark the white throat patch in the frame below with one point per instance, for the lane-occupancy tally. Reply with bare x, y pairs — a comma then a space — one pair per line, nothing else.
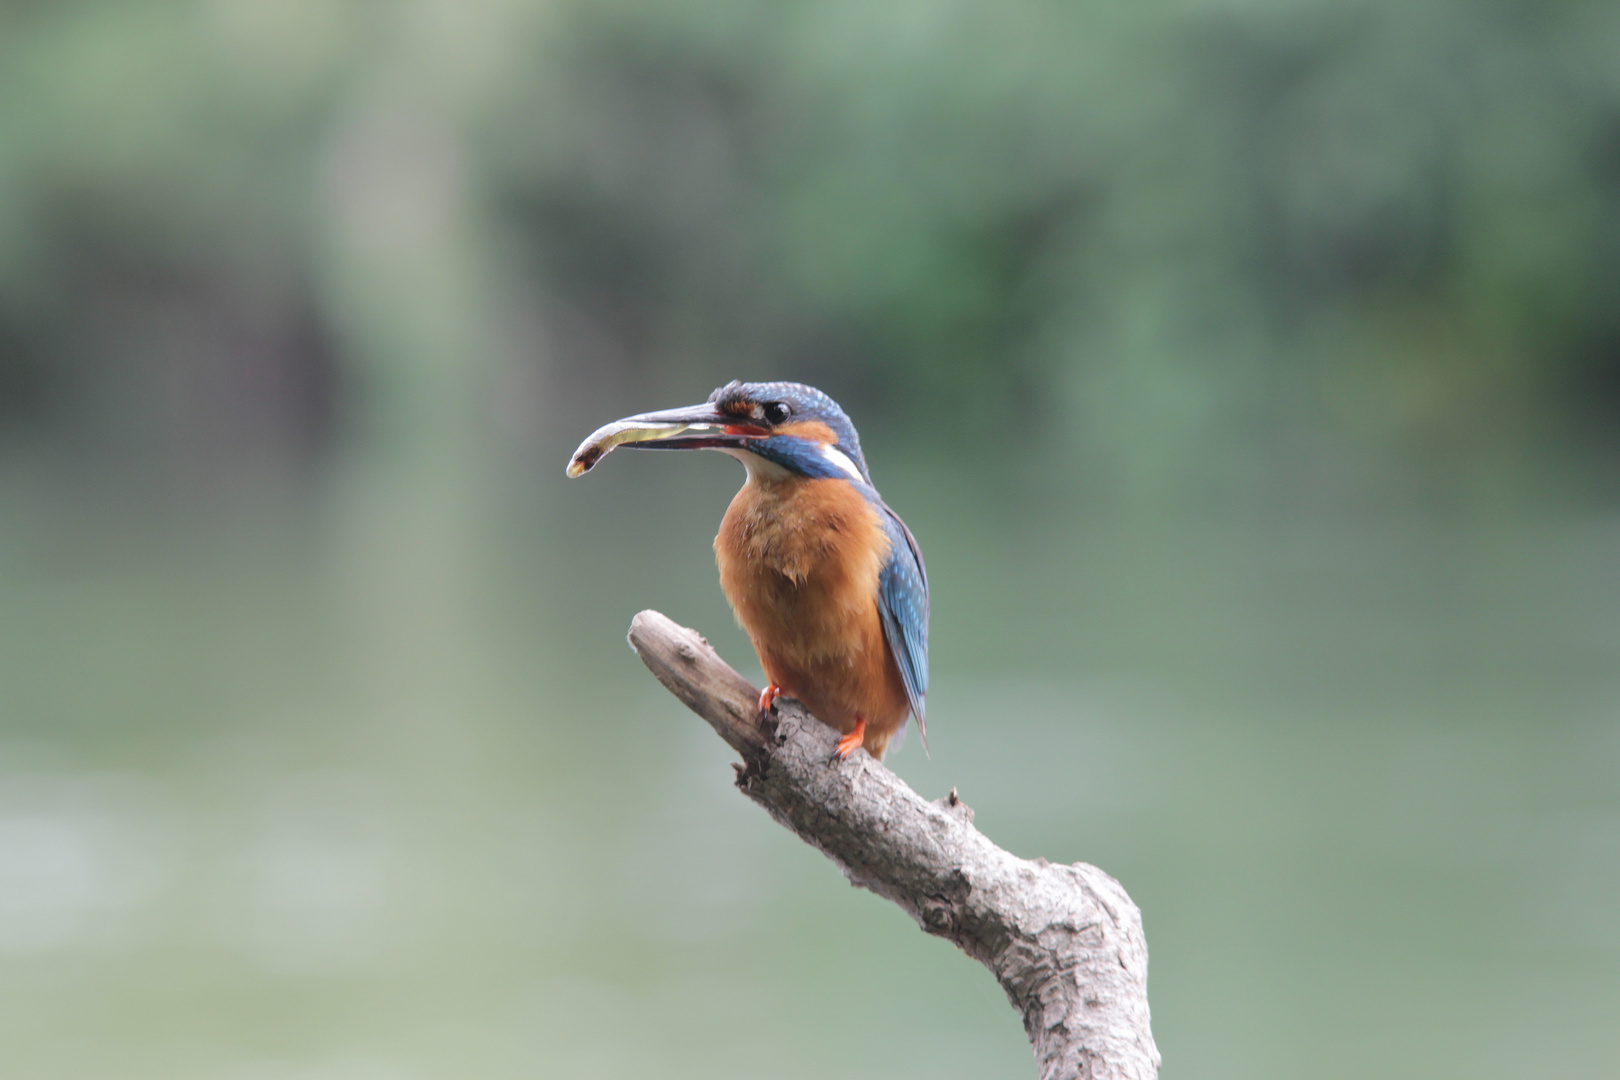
759, 469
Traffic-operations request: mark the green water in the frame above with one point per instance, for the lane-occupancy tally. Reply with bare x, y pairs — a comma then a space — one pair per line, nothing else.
357, 779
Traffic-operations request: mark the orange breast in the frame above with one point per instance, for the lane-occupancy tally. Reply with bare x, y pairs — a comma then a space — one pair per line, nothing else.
799, 562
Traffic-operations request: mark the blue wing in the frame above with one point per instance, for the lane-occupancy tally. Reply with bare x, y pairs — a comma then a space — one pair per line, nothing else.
903, 603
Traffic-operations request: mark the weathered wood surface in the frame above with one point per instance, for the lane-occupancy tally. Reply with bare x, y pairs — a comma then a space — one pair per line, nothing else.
1065, 942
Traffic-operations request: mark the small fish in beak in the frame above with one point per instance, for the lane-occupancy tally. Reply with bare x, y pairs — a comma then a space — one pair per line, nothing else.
602, 441
700, 427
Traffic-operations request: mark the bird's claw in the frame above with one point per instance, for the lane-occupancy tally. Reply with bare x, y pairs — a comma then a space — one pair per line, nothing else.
767, 700
848, 744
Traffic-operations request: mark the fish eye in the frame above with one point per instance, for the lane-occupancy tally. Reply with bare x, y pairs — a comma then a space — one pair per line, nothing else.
777, 411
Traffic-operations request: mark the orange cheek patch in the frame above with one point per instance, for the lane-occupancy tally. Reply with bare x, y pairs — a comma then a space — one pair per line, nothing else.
814, 430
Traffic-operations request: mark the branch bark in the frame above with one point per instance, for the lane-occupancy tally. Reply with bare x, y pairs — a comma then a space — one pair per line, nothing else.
1065, 942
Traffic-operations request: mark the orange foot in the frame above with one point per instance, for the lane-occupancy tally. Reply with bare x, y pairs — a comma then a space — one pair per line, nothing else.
767, 699
848, 743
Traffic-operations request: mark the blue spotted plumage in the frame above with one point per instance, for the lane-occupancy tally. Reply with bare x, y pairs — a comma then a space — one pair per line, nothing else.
903, 602
826, 579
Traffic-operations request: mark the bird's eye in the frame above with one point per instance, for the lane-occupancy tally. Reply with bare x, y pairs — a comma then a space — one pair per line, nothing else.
776, 412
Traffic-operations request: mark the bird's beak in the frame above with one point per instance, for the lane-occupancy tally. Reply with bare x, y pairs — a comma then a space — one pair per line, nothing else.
694, 428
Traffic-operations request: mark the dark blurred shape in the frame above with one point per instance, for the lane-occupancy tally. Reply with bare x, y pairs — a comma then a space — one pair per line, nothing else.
178, 363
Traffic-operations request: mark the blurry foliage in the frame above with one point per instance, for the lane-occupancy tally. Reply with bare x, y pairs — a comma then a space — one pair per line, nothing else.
1189, 239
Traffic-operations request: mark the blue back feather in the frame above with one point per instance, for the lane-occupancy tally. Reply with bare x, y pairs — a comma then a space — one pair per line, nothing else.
903, 603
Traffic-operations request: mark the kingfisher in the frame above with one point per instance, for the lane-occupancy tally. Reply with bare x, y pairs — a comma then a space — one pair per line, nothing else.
826, 580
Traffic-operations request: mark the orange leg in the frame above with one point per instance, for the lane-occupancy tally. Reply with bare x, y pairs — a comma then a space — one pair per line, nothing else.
767, 699
848, 743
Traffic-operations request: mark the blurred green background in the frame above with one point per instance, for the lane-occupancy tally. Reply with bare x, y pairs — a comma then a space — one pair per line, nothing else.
1249, 373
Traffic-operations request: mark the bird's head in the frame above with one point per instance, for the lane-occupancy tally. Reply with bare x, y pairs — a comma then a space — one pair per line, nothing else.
776, 429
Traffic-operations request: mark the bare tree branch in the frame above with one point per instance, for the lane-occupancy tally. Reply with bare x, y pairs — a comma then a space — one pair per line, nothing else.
1065, 942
